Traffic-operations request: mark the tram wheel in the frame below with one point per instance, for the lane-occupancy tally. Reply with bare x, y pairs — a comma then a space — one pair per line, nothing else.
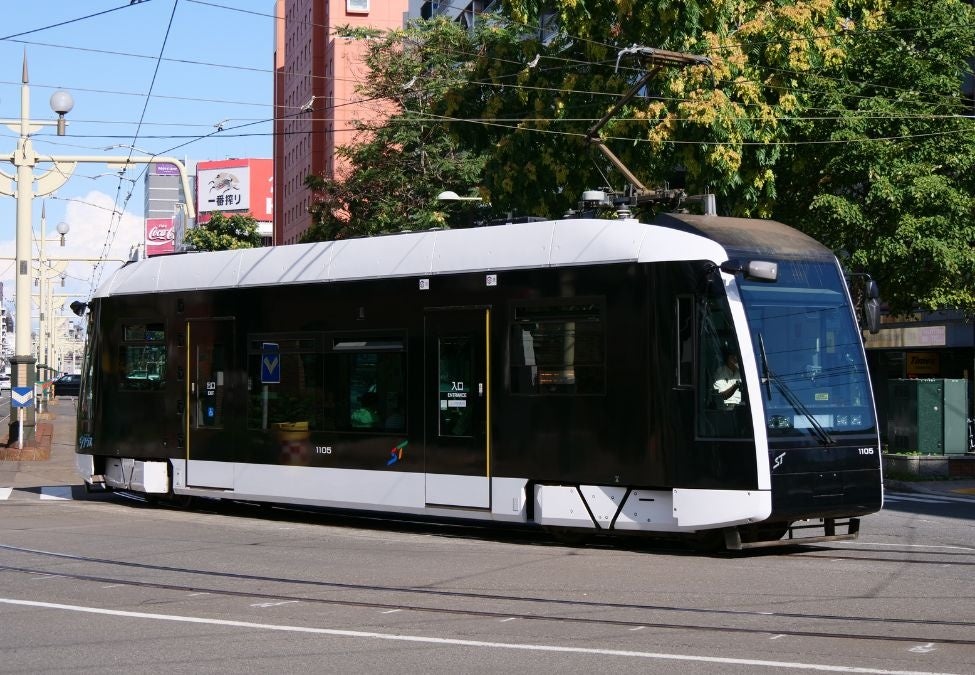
762, 532
182, 501
569, 536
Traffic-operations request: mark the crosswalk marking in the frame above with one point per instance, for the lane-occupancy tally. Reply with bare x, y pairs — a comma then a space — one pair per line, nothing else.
62, 492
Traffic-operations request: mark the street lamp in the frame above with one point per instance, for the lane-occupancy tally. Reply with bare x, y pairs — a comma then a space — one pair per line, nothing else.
61, 103
46, 271
451, 196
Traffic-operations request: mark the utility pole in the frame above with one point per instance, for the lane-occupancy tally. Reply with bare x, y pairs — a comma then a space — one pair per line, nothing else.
26, 186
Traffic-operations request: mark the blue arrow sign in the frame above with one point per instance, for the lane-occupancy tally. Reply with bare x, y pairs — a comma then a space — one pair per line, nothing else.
22, 397
270, 363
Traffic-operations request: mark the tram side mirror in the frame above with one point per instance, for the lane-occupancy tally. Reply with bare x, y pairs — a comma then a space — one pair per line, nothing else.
872, 290
871, 309
78, 307
763, 270
759, 270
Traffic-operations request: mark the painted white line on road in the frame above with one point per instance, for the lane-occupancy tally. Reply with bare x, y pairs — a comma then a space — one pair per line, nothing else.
392, 611
949, 548
795, 665
61, 492
5, 493
927, 498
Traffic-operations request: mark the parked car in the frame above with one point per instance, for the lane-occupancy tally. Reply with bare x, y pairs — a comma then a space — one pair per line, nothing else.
67, 385
4, 382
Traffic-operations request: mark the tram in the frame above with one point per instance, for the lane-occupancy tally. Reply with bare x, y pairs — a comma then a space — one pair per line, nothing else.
555, 373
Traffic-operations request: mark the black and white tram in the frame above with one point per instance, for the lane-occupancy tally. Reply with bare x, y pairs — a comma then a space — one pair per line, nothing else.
555, 373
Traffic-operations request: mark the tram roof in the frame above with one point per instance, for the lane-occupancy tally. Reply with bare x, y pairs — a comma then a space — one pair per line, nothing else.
556, 243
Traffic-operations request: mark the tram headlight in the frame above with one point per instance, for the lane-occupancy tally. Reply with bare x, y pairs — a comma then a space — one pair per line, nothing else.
779, 422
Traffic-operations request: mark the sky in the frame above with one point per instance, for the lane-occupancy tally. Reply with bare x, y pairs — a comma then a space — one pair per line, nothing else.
191, 79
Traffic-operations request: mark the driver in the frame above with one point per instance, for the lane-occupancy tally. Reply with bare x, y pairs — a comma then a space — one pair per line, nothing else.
727, 380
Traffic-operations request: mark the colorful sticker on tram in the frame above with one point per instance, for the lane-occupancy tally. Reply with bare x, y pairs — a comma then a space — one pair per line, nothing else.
396, 454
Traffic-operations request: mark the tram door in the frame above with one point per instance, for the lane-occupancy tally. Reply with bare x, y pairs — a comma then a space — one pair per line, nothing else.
209, 356
456, 408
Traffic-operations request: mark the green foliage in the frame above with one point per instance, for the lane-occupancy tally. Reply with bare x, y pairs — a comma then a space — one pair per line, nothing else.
223, 232
840, 118
399, 165
883, 162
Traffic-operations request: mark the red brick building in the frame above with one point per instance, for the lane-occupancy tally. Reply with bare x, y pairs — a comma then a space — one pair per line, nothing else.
315, 102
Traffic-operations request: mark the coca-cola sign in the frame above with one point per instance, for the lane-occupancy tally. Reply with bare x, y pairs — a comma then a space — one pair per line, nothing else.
160, 236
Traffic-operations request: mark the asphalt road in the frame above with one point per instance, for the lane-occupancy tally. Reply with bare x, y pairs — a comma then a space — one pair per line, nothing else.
107, 584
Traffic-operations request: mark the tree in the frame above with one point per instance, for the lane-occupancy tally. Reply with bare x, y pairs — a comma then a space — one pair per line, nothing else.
891, 182
840, 118
222, 232
400, 162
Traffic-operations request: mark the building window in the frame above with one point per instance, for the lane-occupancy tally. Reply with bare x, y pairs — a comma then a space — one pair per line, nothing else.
357, 6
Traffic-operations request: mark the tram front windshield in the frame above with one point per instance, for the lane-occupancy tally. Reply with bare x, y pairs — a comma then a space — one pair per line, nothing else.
808, 352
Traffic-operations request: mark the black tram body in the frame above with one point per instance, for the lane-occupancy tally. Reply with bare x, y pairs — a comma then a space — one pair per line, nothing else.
553, 373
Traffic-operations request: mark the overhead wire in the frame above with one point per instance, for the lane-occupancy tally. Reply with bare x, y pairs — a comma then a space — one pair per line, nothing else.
481, 83
116, 222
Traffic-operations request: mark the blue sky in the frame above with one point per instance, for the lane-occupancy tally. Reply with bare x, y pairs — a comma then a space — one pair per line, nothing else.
159, 75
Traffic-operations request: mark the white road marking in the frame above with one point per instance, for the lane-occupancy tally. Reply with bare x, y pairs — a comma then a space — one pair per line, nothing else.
558, 649
392, 611
273, 604
5, 493
923, 649
62, 492
950, 548
510, 618
928, 498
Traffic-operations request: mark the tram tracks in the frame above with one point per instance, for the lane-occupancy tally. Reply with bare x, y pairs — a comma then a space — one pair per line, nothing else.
528, 608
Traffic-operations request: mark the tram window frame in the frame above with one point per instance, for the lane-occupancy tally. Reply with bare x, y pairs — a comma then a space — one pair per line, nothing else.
331, 367
301, 398
684, 332
140, 339
590, 311
352, 361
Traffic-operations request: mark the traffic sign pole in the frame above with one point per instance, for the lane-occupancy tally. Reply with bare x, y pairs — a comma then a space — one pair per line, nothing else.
21, 398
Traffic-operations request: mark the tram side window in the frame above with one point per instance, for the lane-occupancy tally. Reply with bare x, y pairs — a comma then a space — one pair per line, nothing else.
365, 385
285, 385
142, 357
557, 349
684, 314
719, 417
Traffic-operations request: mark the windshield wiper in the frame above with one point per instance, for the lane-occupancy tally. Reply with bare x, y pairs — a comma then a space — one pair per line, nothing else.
765, 370
791, 397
